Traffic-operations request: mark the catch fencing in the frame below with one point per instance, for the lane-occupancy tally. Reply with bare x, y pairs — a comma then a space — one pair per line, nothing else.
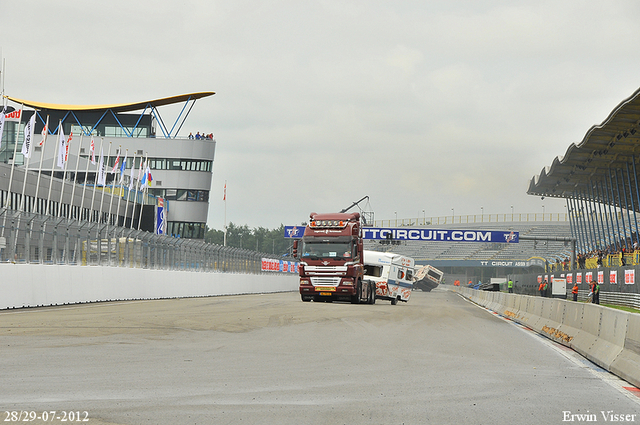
40, 239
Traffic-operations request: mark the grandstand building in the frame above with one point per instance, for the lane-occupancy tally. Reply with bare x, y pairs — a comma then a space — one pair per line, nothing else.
181, 169
599, 180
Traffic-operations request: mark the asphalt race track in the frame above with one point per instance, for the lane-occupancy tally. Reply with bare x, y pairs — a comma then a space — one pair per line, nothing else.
272, 359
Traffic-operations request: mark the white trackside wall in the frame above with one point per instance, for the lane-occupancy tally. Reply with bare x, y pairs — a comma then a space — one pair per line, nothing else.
27, 285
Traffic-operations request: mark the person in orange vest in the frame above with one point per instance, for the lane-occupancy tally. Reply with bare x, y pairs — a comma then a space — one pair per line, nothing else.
542, 287
574, 291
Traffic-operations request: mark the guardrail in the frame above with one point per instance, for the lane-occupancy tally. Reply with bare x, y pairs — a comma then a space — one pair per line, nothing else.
38, 239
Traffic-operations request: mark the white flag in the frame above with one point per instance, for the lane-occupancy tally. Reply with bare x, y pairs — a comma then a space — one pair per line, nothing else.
144, 176
1, 126
140, 173
92, 151
102, 170
28, 136
133, 169
123, 167
62, 148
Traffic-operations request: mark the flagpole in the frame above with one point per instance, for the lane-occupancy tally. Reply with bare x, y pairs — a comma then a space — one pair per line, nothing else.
104, 186
27, 145
142, 188
90, 157
135, 198
75, 175
95, 180
43, 143
64, 173
126, 205
53, 169
113, 183
13, 164
225, 213
123, 168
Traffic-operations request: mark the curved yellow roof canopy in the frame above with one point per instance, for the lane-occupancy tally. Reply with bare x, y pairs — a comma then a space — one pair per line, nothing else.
118, 107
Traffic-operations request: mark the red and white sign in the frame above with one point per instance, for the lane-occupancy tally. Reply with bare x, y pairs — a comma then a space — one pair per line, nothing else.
569, 277
579, 278
600, 277
588, 277
14, 116
613, 276
630, 277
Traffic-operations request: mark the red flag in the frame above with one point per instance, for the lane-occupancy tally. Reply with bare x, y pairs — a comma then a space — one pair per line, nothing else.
115, 166
45, 129
92, 151
224, 196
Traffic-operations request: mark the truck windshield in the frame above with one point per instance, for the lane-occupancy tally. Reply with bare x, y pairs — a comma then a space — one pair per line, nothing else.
334, 250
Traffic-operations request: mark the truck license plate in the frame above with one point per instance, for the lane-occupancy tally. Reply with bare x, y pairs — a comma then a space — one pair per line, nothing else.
325, 294
323, 289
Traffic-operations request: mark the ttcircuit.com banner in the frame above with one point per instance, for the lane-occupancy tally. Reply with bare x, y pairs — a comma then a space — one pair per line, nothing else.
440, 235
434, 235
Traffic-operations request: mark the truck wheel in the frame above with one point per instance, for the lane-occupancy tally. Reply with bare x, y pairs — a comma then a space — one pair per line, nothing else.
306, 298
394, 301
373, 292
356, 298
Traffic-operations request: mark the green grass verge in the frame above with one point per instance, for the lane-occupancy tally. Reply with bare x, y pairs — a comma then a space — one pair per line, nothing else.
622, 307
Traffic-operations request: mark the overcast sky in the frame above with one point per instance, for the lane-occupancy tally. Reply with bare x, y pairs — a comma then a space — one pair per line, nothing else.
421, 105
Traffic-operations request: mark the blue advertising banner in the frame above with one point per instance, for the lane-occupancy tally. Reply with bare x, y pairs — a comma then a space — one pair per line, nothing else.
441, 235
160, 220
294, 232
432, 235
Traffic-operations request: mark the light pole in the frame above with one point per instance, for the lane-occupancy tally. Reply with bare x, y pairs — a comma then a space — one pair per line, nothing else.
396, 214
424, 218
511, 212
453, 215
482, 214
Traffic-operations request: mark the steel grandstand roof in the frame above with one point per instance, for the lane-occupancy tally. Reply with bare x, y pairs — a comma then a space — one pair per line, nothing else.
118, 107
612, 145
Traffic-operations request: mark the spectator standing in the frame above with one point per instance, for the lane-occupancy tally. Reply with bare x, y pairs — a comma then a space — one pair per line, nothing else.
574, 291
510, 286
596, 293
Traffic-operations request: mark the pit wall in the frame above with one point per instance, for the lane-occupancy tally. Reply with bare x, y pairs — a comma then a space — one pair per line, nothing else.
609, 338
27, 285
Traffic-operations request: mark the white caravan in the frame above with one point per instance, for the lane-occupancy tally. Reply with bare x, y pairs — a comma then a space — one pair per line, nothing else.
392, 274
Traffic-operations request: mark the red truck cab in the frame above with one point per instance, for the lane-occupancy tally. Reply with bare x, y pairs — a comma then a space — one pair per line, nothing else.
331, 260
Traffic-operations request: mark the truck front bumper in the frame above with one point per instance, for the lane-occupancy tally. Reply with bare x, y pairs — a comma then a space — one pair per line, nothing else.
328, 292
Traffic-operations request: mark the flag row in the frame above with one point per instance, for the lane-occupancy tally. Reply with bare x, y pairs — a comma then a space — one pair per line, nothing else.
144, 176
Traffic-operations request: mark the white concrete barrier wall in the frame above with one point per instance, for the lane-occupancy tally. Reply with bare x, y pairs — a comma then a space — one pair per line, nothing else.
31, 285
627, 364
608, 337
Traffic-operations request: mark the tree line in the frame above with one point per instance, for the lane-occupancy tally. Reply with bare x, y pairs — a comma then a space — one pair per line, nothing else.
271, 241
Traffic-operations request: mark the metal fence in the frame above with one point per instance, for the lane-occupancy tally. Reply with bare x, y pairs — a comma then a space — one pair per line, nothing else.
474, 218
40, 239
